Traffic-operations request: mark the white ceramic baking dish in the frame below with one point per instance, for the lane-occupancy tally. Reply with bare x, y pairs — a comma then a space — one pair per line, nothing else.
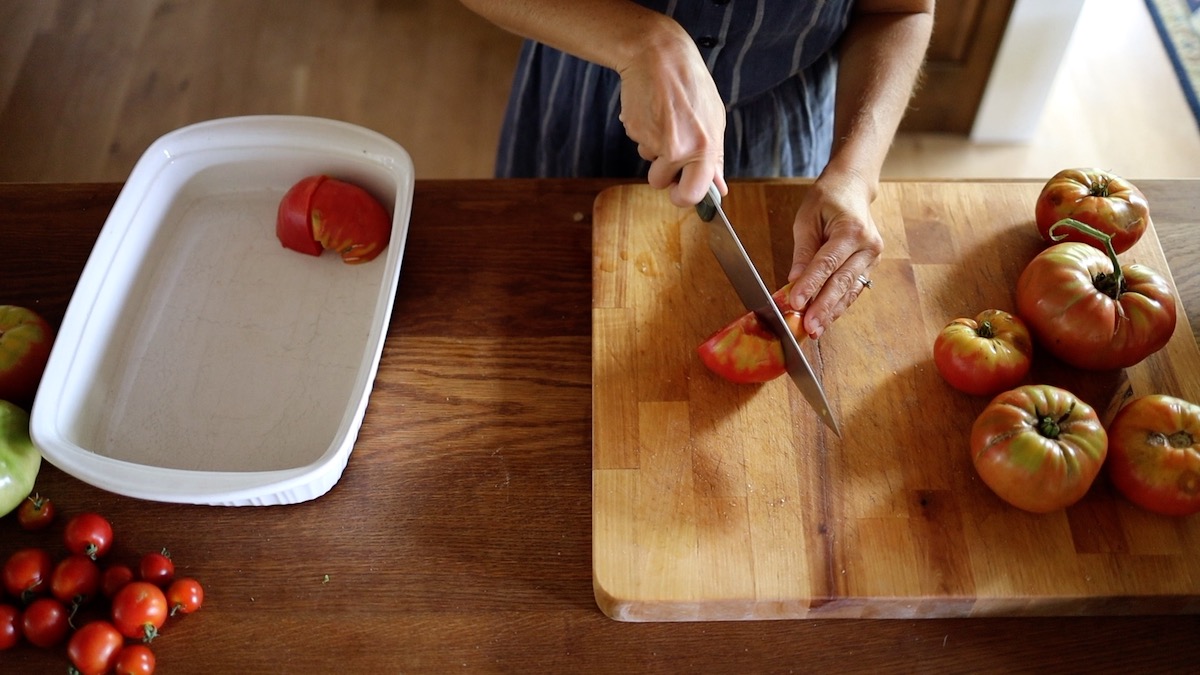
201, 362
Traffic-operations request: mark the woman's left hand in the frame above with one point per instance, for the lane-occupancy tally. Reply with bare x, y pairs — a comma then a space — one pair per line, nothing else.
836, 243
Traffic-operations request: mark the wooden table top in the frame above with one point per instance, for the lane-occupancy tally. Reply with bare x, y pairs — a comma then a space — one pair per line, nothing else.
459, 536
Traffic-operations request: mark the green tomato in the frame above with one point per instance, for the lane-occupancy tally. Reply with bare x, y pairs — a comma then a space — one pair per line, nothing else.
19, 459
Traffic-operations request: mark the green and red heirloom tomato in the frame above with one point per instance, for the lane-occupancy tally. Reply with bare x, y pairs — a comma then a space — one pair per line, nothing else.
1090, 311
25, 340
1099, 198
19, 459
1154, 454
1038, 447
985, 355
321, 213
747, 351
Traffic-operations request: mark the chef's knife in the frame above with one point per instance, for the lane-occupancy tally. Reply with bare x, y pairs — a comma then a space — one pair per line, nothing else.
730, 253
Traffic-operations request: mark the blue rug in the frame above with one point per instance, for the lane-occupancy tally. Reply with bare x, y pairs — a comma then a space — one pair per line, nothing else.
1178, 23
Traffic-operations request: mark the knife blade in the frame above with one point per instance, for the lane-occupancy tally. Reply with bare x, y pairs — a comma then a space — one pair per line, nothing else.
732, 256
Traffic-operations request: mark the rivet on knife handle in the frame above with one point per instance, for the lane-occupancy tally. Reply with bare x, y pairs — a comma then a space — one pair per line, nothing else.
707, 208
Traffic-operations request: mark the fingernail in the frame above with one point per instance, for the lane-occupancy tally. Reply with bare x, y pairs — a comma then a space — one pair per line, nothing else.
815, 330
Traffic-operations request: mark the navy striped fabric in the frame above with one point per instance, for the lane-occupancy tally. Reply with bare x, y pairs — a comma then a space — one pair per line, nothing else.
772, 61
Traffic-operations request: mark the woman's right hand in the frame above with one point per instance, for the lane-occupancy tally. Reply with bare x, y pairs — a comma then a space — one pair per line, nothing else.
671, 108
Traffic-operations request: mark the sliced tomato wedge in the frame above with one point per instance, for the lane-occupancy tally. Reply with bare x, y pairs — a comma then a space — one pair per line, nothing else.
746, 351
292, 224
321, 213
349, 222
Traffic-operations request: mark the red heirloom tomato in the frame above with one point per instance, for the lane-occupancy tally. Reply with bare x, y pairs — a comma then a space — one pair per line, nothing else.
1090, 311
323, 213
1099, 198
747, 351
1038, 447
985, 355
1154, 454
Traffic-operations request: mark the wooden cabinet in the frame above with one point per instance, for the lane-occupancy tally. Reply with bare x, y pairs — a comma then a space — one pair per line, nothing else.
966, 37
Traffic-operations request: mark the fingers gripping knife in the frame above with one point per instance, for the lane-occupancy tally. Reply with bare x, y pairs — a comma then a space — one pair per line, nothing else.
730, 253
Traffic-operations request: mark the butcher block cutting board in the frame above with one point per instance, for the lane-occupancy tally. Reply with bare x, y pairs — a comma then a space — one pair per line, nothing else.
715, 501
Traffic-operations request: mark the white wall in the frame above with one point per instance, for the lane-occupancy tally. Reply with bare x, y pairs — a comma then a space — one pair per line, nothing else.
1033, 45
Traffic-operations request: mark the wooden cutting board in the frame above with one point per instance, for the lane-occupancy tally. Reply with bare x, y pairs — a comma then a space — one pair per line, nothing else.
715, 501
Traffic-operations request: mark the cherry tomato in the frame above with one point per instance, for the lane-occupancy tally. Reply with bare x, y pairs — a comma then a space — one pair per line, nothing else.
1038, 447
76, 580
27, 573
135, 660
1154, 454
93, 649
36, 513
1090, 311
1099, 198
157, 568
985, 355
323, 213
88, 534
746, 351
10, 627
115, 578
185, 596
45, 622
139, 610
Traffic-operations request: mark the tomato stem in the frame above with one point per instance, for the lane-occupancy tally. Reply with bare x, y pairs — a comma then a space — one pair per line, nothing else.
1181, 439
1112, 285
1048, 427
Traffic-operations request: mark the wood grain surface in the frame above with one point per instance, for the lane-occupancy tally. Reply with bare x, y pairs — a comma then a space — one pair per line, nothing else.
715, 501
459, 539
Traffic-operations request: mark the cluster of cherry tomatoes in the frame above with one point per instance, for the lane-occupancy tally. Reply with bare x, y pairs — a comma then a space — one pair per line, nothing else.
106, 612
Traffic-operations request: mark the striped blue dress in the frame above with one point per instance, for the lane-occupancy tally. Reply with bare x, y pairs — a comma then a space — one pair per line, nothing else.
772, 60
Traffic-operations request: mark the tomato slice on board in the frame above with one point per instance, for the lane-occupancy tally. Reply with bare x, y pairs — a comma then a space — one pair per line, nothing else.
292, 225
746, 351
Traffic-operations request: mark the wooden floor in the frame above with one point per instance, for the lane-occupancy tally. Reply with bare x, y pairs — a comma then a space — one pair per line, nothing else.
86, 85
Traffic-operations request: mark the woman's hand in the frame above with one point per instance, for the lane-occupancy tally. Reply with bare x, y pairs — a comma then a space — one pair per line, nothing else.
836, 242
671, 108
